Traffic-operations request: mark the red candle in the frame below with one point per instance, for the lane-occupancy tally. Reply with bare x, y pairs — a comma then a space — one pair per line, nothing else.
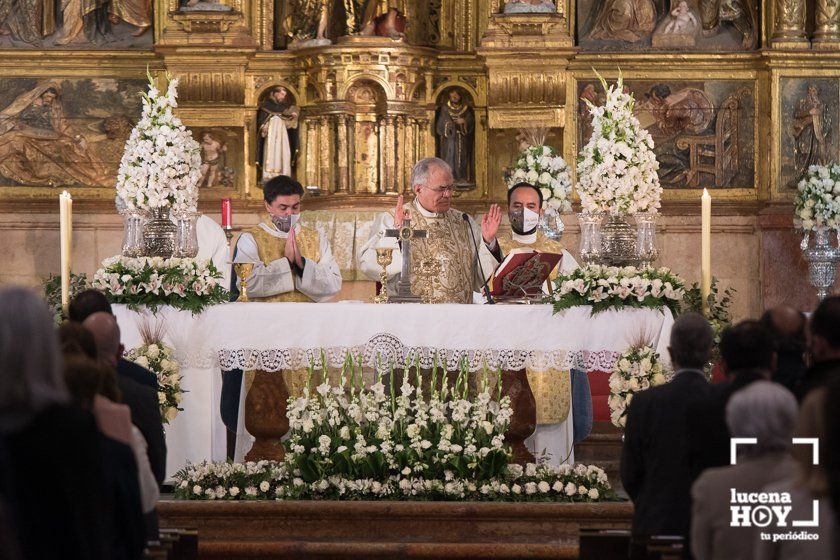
227, 213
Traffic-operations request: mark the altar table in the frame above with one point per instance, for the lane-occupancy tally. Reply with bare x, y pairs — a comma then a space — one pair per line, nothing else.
275, 336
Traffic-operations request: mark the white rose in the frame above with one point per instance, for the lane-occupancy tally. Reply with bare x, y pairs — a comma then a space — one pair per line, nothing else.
153, 351
593, 494
264, 486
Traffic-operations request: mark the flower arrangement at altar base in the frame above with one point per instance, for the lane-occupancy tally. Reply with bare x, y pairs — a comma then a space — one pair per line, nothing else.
160, 166
159, 358
610, 287
542, 167
638, 368
817, 202
617, 169
351, 442
187, 284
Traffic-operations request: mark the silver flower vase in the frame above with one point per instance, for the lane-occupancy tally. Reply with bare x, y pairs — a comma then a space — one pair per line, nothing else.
159, 234
646, 250
186, 236
590, 237
133, 245
618, 242
822, 260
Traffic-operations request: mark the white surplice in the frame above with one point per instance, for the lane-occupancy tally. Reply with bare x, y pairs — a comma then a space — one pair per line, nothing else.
213, 245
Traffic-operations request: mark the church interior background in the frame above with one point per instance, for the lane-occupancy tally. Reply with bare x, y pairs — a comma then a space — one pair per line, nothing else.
741, 105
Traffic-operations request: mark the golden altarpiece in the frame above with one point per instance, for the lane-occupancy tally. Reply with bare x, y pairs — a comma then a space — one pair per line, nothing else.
740, 97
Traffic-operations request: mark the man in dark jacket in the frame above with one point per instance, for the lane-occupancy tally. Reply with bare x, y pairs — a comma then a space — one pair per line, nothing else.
824, 346
654, 459
748, 354
787, 325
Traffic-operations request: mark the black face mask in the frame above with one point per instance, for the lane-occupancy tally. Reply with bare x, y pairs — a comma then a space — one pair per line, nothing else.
517, 221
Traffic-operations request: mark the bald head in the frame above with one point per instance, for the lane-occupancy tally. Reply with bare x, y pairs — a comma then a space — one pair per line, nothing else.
106, 333
786, 320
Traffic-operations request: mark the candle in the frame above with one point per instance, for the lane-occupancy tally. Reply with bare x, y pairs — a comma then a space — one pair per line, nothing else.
227, 213
65, 207
706, 250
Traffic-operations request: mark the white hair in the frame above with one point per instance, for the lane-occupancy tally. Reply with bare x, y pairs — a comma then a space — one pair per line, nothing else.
421, 169
31, 377
763, 410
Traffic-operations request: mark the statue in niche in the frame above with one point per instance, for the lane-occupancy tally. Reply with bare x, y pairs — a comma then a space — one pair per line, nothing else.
38, 146
623, 20
455, 127
810, 132
530, 6
390, 24
742, 14
277, 122
307, 22
214, 170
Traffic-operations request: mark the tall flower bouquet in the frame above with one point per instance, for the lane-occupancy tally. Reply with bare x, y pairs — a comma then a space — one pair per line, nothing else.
542, 167
158, 358
617, 167
817, 201
638, 368
161, 163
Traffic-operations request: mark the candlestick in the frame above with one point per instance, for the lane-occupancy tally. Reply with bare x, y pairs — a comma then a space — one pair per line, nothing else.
65, 207
706, 251
227, 213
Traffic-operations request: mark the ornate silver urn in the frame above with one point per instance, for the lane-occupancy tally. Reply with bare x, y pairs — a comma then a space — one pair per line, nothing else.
822, 260
159, 234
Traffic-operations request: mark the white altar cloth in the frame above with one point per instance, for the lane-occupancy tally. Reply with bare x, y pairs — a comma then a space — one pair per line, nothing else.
274, 336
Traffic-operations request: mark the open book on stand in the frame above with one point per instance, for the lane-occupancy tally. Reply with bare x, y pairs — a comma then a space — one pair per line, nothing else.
522, 274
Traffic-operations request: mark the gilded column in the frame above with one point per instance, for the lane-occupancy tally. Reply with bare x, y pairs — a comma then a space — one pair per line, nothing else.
789, 32
410, 151
383, 156
350, 124
325, 161
312, 153
425, 139
402, 154
390, 161
827, 29
343, 150
303, 151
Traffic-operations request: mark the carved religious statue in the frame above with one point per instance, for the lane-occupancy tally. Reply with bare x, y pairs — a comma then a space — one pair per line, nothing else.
277, 123
623, 20
810, 132
214, 170
742, 14
455, 127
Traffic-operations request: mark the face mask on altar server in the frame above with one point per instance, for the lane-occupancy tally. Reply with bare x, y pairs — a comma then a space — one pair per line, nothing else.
285, 223
524, 221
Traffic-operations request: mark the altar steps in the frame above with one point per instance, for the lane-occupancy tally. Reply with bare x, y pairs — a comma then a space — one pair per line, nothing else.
331, 529
603, 448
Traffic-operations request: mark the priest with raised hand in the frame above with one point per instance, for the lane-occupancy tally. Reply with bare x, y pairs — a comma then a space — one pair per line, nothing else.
291, 262
444, 267
554, 434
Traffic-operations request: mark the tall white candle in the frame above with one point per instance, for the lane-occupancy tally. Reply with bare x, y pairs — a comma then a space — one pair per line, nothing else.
66, 232
706, 250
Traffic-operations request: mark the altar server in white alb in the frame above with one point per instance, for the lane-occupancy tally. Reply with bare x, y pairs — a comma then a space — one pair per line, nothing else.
443, 264
292, 262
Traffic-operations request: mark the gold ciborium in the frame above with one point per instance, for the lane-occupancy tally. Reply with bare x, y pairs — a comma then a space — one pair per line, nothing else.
243, 271
384, 257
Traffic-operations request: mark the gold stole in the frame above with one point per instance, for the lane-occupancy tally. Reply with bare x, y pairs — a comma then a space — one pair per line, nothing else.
447, 255
552, 389
271, 248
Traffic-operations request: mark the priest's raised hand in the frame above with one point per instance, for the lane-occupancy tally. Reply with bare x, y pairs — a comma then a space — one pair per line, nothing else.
490, 224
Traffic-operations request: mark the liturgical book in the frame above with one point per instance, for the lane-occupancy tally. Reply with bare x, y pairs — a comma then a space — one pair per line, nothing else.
523, 274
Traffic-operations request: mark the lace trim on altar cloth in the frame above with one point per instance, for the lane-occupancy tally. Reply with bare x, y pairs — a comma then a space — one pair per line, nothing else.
383, 350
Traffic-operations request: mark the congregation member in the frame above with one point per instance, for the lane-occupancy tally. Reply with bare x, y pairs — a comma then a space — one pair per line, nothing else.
654, 463
292, 262
53, 454
766, 411
809, 485
823, 345
748, 354
787, 325
141, 400
449, 249
86, 304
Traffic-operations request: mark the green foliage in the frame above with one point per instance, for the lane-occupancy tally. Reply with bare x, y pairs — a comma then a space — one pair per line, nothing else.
52, 292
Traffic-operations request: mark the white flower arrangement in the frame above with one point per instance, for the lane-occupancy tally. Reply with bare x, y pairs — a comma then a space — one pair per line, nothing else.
159, 359
638, 368
396, 444
160, 166
617, 169
189, 284
542, 167
610, 287
817, 201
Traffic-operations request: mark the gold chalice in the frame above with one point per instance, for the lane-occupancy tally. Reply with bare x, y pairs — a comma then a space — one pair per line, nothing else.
384, 257
243, 270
